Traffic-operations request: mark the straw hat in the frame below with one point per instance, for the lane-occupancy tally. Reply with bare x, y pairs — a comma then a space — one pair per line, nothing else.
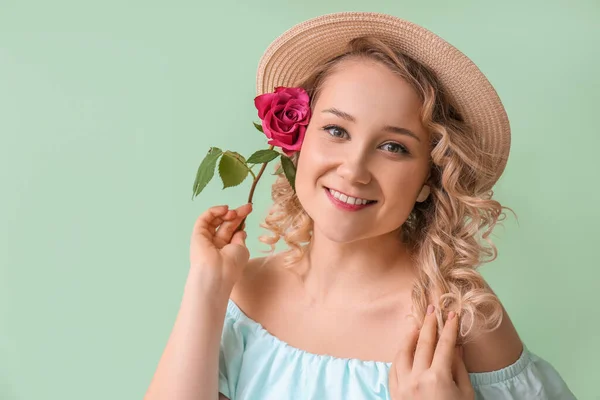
299, 49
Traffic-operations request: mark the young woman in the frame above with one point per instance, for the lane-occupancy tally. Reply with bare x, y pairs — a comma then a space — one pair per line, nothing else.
378, 296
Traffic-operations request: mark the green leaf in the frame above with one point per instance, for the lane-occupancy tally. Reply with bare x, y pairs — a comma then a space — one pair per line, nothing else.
206, 170
263, 156
278, 171
258, 126
232, 169
290, 170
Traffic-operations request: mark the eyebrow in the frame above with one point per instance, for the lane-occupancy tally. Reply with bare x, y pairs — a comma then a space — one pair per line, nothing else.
387, 128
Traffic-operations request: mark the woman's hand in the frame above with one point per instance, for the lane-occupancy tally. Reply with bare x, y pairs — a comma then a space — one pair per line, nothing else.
433, 372
216, 249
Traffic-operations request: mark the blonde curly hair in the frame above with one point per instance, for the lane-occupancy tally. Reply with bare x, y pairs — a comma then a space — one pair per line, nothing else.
448, 234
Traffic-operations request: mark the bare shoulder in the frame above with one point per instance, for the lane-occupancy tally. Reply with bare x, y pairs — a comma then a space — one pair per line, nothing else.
494, 350
258, 284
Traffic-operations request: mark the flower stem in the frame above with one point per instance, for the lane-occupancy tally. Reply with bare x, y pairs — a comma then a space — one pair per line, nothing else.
256, 178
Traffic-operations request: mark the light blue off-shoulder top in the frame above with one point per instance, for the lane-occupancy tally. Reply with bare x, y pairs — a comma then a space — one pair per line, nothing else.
255, 365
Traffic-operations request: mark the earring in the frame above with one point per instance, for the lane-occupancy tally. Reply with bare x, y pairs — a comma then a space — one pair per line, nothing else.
425, 190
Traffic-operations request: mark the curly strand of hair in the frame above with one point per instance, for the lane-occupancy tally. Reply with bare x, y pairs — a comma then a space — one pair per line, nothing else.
288, 220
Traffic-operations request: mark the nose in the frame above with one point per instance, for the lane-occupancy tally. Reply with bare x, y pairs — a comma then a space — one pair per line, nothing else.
354, 169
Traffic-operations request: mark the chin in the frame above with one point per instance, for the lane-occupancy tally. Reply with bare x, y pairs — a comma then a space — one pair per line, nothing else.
337, 230
339, 235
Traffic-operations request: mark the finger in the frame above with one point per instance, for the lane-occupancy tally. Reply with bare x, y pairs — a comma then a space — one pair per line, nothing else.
242, 226
239, 238
214, 225
238, 214
231, 214
444, 352
460, 373
225, 232
427, 342
203, 224
237, 250
228, 215
403, 360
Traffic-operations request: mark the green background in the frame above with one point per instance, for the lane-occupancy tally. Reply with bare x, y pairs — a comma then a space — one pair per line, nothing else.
107, 108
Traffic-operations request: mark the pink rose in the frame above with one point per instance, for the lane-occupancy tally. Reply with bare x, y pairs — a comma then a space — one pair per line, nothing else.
284, 115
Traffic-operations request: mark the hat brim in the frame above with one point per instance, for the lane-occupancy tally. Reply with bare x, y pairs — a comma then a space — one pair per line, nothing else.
298, 50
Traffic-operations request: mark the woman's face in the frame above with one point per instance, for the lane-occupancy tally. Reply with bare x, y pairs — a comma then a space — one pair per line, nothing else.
365, 140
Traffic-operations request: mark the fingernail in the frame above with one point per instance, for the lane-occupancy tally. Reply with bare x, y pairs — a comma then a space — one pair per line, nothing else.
430, 309
451, 315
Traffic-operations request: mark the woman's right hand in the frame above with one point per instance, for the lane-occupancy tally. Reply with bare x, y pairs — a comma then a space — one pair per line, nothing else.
216, 249
427, 368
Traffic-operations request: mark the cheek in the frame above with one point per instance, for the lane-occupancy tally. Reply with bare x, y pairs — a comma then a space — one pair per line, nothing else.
403, 186
306, 171
313, 163
305, 177
313, 157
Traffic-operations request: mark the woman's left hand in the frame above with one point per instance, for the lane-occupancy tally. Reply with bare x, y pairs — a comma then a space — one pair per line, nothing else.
434, 372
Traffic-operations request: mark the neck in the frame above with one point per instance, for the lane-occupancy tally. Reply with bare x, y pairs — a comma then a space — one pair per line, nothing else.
359, 273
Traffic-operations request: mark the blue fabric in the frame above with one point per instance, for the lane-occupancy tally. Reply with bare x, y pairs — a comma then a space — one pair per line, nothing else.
255, 365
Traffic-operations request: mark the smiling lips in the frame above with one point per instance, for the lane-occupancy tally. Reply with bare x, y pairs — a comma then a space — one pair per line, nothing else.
346, 202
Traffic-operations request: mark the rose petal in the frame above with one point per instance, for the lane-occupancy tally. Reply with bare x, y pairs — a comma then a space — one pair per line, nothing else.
301, 107
285, 115
290, 116
292, 106
297, 145
263, 103
300, 94
287, 139
283, 98
277, 124
277, 143
279, 127
267, 123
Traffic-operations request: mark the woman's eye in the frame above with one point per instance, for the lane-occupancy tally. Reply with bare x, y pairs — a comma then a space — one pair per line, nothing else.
395, 148
334, 128
339, 132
